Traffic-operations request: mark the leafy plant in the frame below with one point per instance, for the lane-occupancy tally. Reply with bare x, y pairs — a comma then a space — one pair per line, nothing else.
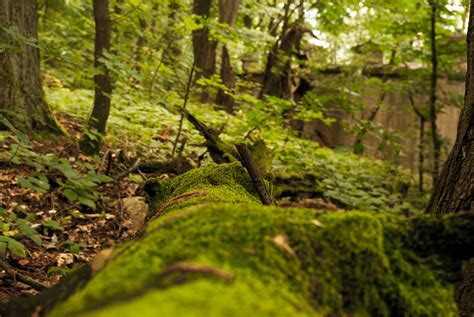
12, 230
77, 183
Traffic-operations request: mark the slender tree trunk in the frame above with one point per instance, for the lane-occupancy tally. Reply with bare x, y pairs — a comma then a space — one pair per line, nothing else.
21, 92
172, 51
141, 40
91, 141
277, 75
433, 91
228, 10
271, 84
454, 191
358, 147
203, 47
421, 145
421, 155
228, 80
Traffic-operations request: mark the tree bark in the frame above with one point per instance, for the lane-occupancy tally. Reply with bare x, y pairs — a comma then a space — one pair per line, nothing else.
22, 98
277, 75
141, 41
228, 10
421, 144
90, 144
172, 51
454, 191
203, 47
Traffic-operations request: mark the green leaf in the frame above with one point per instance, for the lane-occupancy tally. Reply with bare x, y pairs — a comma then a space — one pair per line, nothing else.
3, 212
28, 232
73, 246
38, 182
86, 201
104, 178
70, 194
52, 224
20, 135
3, 249
14, 246
61, 271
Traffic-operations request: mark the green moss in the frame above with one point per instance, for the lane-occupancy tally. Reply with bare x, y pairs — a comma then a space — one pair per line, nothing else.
283, 262
222, 183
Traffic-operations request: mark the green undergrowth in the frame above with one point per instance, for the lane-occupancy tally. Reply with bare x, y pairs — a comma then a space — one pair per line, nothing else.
302, 167
348, 180
239, 258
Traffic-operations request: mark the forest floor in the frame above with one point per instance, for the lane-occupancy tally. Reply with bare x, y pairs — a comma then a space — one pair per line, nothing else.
70, 233
82, 232
55, 231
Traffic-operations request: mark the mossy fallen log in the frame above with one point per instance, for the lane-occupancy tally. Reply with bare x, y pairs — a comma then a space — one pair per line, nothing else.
211, 249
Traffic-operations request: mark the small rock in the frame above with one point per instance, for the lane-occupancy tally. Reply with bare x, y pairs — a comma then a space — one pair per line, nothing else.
135, 210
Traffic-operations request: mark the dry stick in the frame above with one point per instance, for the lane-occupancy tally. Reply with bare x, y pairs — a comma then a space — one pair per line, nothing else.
132, 168
257, 179
179, 158
186, 96
153, 80
120, 205
22, 278
102, 162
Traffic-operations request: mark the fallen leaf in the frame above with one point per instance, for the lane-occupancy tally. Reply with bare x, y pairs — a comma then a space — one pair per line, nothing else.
64, 258
317, 223
23, 262
100, 260
282, 242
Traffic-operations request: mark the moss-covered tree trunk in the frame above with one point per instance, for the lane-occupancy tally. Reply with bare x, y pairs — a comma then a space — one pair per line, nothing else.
21, 92
211, 249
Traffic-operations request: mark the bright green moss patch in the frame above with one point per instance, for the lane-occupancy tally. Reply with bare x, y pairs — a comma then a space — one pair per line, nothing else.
220, 183
346, 266
244, 259
205, 298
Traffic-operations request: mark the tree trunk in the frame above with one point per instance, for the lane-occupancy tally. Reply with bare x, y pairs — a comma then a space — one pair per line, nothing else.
92, 138
228, 10
455, 190
203, 47
21, 92
358, 146
141, 41
433, 91
172, 50
277, 75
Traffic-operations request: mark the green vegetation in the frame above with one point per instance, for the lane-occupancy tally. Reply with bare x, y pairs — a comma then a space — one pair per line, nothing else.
149, 134
244, 257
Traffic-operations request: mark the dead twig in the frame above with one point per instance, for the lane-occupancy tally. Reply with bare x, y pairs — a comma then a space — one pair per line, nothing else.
22, 278
185, 102
131, 169
105, 158
248, 162
120, 205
